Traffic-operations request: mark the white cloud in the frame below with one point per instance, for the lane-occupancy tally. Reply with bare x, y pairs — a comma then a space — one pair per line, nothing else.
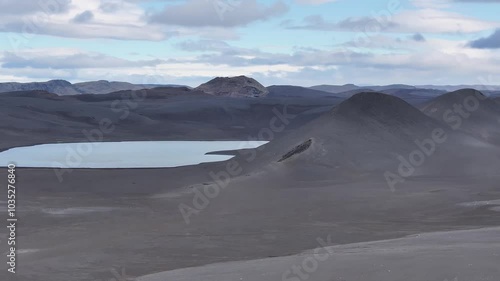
62, 58
388, 56
127, 21
426, 19
438, 21
432, 4
383, 59
227, 13
314, 2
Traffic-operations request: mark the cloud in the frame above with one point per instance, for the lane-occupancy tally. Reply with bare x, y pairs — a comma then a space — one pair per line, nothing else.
354, 24
311, 22
381, 49
204, 45
83, 17
490, 42
87, 30
418, 37
227, 13
314, 2
78, 19
428, 20
383, 59
478, 1
67, 59
367, 24
434, 61
109, 6
431, 4
440, 21
16, 7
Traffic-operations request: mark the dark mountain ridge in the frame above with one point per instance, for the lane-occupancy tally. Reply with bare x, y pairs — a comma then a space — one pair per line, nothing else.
238, 86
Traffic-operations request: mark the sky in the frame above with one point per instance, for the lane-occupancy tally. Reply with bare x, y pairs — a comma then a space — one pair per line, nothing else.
294, 42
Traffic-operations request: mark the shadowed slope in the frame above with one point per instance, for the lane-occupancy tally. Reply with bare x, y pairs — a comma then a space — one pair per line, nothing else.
370, 133
469, 111
31, 94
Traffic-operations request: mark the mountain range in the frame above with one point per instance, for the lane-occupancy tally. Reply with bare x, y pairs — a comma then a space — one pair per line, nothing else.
242, 86
63, 87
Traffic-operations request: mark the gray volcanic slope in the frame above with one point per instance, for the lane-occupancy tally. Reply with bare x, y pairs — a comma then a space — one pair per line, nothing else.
462, 255
322, 179
469, 111
368, 133
239, 86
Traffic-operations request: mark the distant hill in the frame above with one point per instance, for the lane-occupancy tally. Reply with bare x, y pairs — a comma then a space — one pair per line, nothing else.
469, 111
413, 93
296, 91
239, 86
450, 88
60, 87
335, 88
64, 88
494, 90
350, 93
104, 86
154, 93
408, 93
493, 94
352, 88
413, 96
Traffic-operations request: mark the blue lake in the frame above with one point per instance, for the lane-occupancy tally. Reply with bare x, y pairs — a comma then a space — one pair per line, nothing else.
127, 154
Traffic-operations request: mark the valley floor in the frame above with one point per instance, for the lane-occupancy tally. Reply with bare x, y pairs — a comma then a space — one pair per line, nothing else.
470, 255
98, 220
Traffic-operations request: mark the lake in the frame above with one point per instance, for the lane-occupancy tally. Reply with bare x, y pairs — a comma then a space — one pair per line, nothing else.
127, 154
